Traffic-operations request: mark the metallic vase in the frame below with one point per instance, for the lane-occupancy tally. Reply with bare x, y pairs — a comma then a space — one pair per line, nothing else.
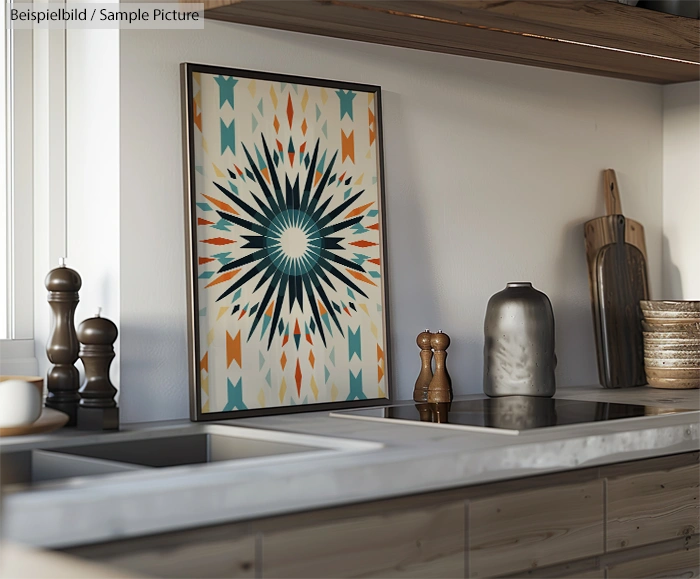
519, 357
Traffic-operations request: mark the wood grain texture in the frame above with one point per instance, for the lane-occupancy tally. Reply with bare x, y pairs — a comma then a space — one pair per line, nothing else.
613, 203
589, 36
621, 277
617, 273
530, 529
684, 564
223, 551
650, 507
426, 542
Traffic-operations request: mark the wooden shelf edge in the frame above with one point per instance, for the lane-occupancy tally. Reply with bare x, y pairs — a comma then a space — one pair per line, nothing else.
586, 36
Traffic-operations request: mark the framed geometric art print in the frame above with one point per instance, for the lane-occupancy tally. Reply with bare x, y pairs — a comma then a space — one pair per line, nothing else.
286, 244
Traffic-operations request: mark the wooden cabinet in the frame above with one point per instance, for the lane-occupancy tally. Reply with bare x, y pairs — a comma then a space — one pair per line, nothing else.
210, 552
648, 507
408, 543
530, 529
637, 519
685, 563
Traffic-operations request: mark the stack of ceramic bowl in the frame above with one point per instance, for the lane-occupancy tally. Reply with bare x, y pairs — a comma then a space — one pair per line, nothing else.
672, 343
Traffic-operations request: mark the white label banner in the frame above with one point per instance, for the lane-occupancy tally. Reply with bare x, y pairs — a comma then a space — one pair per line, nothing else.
108, 16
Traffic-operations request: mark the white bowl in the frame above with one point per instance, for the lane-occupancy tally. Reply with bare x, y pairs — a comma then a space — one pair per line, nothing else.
20, 400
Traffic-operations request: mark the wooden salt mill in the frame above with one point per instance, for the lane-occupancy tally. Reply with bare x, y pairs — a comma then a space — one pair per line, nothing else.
63, 379
420, 392
440, 388
97, 410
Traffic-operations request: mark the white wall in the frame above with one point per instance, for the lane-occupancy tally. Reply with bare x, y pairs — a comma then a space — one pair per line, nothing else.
491, 170
76, 189
92, 168
681, 178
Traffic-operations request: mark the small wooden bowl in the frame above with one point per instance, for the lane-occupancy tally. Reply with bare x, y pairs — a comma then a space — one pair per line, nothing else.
666, 326
673, 378
665, 349
660, 337
671, 306
660, 362
690, 354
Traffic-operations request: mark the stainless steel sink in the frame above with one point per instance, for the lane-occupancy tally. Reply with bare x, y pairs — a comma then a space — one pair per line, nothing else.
40, 468
63, 462
185, 449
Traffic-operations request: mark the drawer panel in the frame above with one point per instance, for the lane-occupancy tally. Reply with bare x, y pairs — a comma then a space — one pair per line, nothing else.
423, 542
650, 507
530, 529
678, 564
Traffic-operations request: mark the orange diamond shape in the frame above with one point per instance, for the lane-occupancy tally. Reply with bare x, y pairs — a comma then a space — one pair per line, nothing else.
276, 124
312, 359
283, 360
304, 126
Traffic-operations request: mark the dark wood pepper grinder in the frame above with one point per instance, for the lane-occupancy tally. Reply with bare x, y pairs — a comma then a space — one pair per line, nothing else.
440, 388
98, 410
63, 379
420, 391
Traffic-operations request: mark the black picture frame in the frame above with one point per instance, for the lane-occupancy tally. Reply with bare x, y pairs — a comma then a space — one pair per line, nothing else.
188, 71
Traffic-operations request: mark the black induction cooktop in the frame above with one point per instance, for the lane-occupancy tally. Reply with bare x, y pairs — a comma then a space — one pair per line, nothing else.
511, 414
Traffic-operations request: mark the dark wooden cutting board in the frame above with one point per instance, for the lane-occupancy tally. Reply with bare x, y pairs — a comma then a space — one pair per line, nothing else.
617, 271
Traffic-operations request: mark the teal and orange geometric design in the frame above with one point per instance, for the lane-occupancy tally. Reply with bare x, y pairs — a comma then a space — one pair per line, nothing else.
289, 238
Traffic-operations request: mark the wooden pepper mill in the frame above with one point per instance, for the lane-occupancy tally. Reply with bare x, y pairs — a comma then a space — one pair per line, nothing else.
420, 392
97, 410
440, 388
63, 379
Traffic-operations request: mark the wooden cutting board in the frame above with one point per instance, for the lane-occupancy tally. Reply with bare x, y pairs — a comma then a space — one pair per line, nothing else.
617, 274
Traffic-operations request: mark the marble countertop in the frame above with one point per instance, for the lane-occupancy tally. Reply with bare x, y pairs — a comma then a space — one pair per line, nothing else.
400, 459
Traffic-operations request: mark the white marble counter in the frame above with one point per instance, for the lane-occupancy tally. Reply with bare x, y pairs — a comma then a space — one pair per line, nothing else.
410, 460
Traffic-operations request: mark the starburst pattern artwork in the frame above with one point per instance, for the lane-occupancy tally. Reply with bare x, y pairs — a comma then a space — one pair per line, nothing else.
286, 213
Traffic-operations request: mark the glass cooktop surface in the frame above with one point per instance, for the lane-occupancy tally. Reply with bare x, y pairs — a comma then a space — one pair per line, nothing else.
510, 414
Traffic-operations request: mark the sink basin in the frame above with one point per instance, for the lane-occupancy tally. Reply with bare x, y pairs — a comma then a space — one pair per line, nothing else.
108, 454
40, 468
184, 449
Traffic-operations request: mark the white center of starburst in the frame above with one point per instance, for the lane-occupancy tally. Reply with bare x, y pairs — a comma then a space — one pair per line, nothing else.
294, 242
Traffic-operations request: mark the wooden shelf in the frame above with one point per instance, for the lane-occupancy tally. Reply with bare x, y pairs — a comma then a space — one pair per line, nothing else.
588, 36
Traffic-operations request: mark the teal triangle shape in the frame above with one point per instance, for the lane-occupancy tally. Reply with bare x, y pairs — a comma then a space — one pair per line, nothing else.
255, 122
324, 128
318, 113
332, 355
260, 107
261, 360
268, 378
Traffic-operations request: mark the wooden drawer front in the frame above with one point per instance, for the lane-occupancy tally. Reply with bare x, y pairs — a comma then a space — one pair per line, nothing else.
426, 542
651, 507
223, 552
679, 564
524, 530
597, 574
